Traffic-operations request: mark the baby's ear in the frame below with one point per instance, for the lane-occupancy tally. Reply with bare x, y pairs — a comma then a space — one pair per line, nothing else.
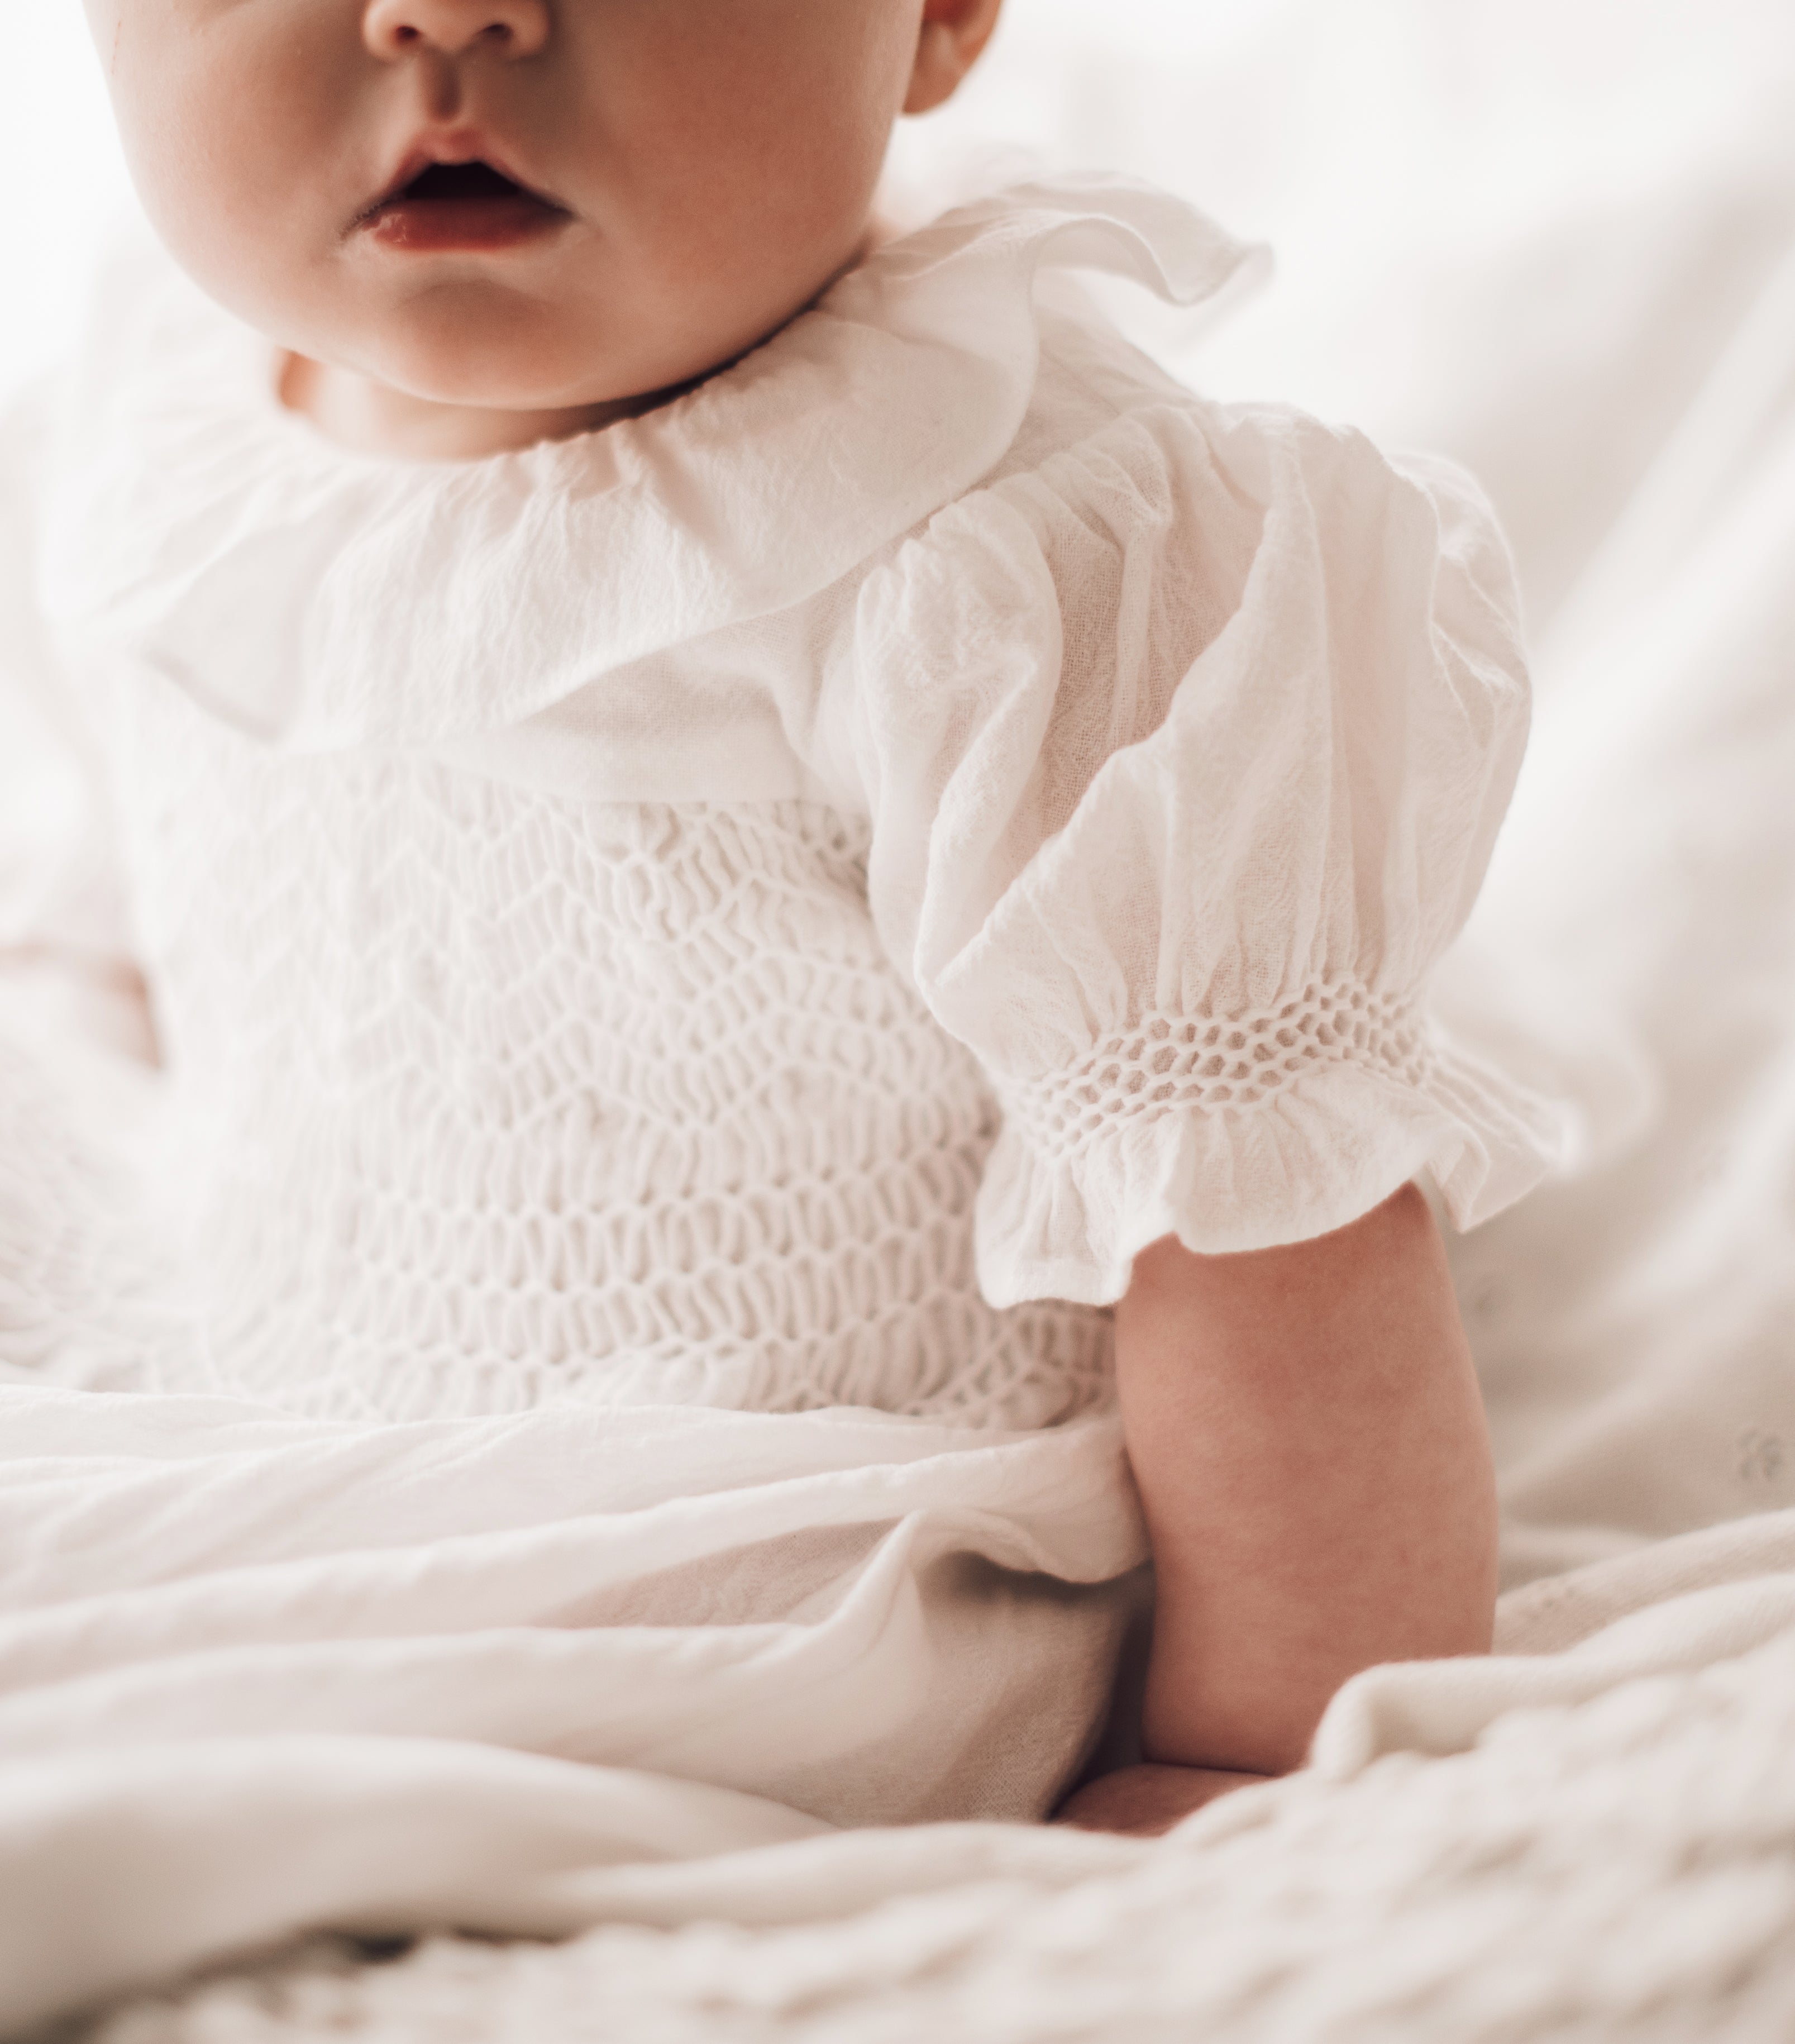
954, 32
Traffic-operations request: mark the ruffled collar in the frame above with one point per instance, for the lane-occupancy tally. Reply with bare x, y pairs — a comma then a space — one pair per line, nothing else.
317, 599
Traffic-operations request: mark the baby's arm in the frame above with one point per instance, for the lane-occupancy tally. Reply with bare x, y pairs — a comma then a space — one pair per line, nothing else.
1307, 1435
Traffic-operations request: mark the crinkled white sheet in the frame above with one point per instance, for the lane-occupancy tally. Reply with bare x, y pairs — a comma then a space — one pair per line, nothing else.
1591, 1836
1607, 1859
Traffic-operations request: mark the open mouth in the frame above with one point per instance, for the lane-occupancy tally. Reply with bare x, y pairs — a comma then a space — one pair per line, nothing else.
462, 205
449, 183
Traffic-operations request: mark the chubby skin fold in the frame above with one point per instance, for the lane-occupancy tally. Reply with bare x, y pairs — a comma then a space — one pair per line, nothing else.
474, 225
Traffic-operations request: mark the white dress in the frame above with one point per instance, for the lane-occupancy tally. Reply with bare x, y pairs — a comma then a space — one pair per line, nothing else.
773, 905
688, 963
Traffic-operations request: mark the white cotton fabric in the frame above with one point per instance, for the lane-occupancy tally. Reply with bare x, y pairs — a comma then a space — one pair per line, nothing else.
1597, 1846
258, 1671
686, 964
1588, 1835
774, 904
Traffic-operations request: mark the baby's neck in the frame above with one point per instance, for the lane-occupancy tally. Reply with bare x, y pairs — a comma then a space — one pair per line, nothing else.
372, 417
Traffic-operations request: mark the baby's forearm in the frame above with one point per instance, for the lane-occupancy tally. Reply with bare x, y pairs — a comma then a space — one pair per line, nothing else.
1309, 1440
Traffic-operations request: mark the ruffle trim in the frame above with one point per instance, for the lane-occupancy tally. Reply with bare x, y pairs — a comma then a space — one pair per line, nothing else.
223, 541
1298, 1159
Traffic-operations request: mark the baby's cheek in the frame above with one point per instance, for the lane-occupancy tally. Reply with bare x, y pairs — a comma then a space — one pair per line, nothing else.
236, 123
749, 168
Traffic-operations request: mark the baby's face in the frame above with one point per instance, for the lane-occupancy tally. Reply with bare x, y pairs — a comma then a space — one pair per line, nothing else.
536, 205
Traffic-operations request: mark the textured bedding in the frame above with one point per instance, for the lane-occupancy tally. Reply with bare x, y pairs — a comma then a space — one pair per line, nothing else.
1595, 1846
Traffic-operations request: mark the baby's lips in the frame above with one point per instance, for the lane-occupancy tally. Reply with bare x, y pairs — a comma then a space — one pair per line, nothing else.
460, 145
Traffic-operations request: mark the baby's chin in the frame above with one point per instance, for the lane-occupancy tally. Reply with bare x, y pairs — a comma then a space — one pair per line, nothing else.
436, 411
542, 341
531, 363
511, 358
501, 364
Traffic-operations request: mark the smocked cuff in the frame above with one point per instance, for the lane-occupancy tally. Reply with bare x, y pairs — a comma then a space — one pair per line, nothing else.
1235, 1137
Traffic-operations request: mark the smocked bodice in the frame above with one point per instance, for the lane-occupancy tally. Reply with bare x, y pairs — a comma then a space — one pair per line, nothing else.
495, 1097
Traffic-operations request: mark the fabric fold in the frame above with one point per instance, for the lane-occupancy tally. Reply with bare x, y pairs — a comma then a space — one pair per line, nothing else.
253, 564
1067, 1221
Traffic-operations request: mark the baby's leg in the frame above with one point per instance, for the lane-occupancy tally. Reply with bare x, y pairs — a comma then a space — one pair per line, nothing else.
1147, 1800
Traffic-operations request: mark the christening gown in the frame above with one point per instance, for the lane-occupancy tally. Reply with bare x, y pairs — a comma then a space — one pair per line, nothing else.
774, 904
685, 964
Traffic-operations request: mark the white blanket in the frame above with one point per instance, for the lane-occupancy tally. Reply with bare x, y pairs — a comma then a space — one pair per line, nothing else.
1604, 1855
1609, 1860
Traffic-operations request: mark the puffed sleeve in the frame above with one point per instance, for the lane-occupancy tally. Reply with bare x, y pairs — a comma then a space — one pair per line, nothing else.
1185, 752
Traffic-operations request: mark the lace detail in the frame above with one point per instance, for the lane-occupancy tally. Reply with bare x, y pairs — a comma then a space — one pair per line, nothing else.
496, 1097
1182, 1064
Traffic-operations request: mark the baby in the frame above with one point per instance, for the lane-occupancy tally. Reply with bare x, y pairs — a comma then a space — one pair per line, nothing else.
719, 806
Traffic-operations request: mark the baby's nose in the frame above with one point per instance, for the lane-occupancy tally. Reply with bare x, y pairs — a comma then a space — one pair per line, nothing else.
508, 27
